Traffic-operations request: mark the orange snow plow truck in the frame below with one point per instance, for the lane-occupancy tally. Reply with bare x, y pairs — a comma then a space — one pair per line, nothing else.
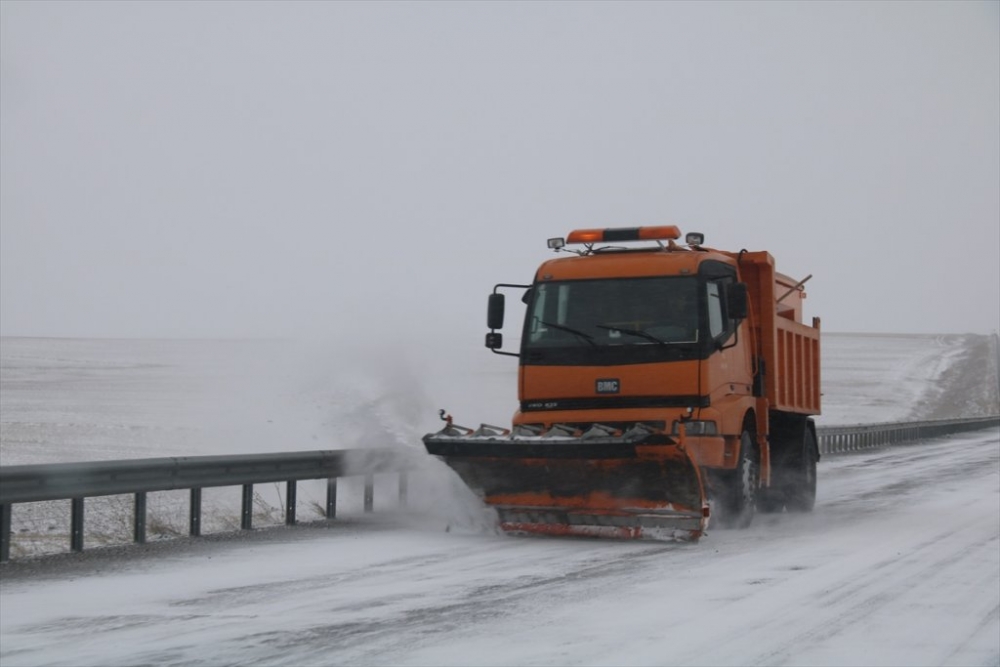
660, 384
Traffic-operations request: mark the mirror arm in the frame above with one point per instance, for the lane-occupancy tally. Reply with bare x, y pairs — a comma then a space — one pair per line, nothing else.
736, 337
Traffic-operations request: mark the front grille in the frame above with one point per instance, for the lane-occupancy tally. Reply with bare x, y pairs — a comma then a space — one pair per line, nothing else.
614, 402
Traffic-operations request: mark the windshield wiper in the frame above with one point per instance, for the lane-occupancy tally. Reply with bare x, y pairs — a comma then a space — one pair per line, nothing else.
633, 332
586, 337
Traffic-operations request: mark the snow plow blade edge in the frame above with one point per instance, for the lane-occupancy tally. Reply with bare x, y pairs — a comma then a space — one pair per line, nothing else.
597, 487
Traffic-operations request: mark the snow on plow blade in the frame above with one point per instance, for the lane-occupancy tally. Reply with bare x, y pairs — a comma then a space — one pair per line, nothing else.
627, 487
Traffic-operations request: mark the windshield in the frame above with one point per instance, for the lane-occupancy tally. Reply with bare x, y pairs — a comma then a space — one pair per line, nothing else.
651, 312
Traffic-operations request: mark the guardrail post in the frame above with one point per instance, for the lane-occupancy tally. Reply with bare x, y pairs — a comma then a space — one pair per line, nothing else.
403, 488
331, 498
246, 515
369, 493
76, 524
5, 528
290, 502
194, 522
139, 518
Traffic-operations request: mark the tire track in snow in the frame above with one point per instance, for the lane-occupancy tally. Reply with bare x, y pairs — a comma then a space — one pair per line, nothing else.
839, 597
822, 603
364, 642
876, 588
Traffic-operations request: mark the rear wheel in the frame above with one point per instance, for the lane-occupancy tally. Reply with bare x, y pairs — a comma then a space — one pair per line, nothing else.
738, 497
800, 495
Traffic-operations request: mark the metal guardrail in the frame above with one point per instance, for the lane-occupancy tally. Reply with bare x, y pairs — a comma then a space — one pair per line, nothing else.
843, 439
77, 481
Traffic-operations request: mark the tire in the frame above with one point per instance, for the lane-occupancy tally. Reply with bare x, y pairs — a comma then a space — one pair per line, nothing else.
738, 498
800, 495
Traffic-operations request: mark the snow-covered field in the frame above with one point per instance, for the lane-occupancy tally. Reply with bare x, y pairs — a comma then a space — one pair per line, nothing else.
85, 399
899, 563
893, 377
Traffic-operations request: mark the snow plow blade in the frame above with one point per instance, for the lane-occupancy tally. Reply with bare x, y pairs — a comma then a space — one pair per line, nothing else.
636, 485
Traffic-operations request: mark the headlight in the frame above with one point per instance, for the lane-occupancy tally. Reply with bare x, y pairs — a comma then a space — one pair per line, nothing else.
696, 427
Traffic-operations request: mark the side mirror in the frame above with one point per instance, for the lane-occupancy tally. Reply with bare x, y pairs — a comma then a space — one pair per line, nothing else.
494, 340
737, 301
494, 312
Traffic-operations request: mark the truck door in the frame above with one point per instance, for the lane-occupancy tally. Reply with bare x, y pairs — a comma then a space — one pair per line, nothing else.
727, 374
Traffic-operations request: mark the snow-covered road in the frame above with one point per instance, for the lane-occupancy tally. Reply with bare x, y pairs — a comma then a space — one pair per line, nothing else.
899, 564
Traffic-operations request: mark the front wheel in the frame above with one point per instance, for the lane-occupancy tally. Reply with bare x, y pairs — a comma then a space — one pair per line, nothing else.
738, 498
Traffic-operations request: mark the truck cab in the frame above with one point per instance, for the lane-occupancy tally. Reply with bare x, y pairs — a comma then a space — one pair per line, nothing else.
649, 336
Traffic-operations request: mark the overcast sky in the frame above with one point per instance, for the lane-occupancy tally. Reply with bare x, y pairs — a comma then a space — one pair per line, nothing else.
256, 169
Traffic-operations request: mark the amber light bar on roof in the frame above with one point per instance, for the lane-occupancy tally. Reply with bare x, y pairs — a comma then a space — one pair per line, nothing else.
661, 233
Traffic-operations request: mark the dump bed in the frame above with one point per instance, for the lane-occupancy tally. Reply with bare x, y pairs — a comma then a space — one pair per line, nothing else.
788, 347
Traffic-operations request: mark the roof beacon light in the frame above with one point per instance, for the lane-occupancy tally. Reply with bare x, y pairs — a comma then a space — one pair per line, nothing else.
662, 233
694, 238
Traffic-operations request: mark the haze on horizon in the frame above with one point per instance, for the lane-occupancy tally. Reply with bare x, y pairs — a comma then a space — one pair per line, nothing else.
314, 169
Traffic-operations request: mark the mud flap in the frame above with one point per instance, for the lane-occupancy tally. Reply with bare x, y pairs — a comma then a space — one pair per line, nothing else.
607, 487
